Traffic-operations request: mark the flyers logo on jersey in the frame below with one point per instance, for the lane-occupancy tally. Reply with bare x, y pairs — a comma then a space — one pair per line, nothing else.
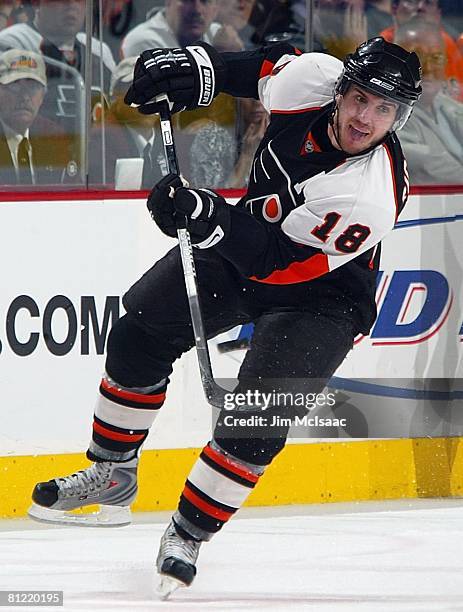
272, 209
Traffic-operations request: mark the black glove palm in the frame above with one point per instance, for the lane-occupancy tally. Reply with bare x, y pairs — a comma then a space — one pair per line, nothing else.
204, 213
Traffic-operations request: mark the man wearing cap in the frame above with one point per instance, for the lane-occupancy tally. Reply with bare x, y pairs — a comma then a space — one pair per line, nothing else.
429, 10
127, 134
32, 149
57, 33
433, 138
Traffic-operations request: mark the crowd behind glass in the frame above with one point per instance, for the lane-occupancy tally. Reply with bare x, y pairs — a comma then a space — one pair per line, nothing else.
47, 138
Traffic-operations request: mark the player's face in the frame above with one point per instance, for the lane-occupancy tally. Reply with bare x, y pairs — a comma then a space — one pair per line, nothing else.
190, 19
363, 119
20, 102
64, 16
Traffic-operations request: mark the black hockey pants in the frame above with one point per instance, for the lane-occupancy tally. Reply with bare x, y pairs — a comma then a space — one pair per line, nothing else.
293, 339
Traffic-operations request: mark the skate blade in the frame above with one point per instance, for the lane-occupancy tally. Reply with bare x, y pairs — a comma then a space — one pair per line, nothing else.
108, 516
168, 585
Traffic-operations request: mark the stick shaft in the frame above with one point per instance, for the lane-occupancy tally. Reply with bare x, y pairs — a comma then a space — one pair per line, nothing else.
213, 392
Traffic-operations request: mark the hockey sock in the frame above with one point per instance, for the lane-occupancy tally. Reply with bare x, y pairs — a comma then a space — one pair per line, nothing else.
216, 488
122, 419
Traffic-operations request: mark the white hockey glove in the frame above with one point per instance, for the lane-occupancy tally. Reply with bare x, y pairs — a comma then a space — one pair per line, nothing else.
190, 77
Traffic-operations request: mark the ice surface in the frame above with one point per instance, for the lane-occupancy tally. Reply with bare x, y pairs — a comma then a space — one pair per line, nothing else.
338, 557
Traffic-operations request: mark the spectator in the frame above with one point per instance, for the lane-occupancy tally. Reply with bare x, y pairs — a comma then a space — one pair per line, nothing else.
57, 34
213, 151
117, 17
379, 16
5, 13
340, 26
14, 11
33, 151
236, 31
127, 135
298, 20
252, 125
428, 10
452, 16
433, 136
180, 23
277, 20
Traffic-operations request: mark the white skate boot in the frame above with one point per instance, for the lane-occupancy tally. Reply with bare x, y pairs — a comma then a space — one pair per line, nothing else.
112, 485
176, 560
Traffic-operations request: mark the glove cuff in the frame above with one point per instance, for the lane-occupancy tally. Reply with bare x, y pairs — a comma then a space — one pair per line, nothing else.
214, 238
211, 73
221, 223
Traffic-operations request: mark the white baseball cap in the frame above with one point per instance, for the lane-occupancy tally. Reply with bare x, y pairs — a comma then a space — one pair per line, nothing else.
16, 64
123, 72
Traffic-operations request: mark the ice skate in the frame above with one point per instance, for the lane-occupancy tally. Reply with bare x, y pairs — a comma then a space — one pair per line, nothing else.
111, 485
176, 561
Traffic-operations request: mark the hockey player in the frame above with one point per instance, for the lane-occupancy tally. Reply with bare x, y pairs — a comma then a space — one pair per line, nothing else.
298, 256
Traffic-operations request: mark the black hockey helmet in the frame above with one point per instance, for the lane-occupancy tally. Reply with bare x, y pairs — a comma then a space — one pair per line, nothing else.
387, 70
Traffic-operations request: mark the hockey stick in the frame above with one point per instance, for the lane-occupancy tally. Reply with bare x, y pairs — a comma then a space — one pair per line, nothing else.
213, 392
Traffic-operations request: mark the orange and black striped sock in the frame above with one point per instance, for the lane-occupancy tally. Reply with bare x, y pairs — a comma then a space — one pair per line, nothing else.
216, 488
122, 419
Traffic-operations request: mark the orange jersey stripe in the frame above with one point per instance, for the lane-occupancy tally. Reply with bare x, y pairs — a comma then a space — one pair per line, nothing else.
298, 271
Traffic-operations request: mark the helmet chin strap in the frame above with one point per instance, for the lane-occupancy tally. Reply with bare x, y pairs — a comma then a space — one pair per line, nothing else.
336, 130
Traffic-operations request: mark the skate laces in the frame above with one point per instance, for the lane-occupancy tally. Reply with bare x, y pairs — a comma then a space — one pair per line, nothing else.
85, 481
172, 545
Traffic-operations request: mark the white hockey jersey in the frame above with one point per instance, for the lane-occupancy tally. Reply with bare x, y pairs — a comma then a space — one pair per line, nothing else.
321, 213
